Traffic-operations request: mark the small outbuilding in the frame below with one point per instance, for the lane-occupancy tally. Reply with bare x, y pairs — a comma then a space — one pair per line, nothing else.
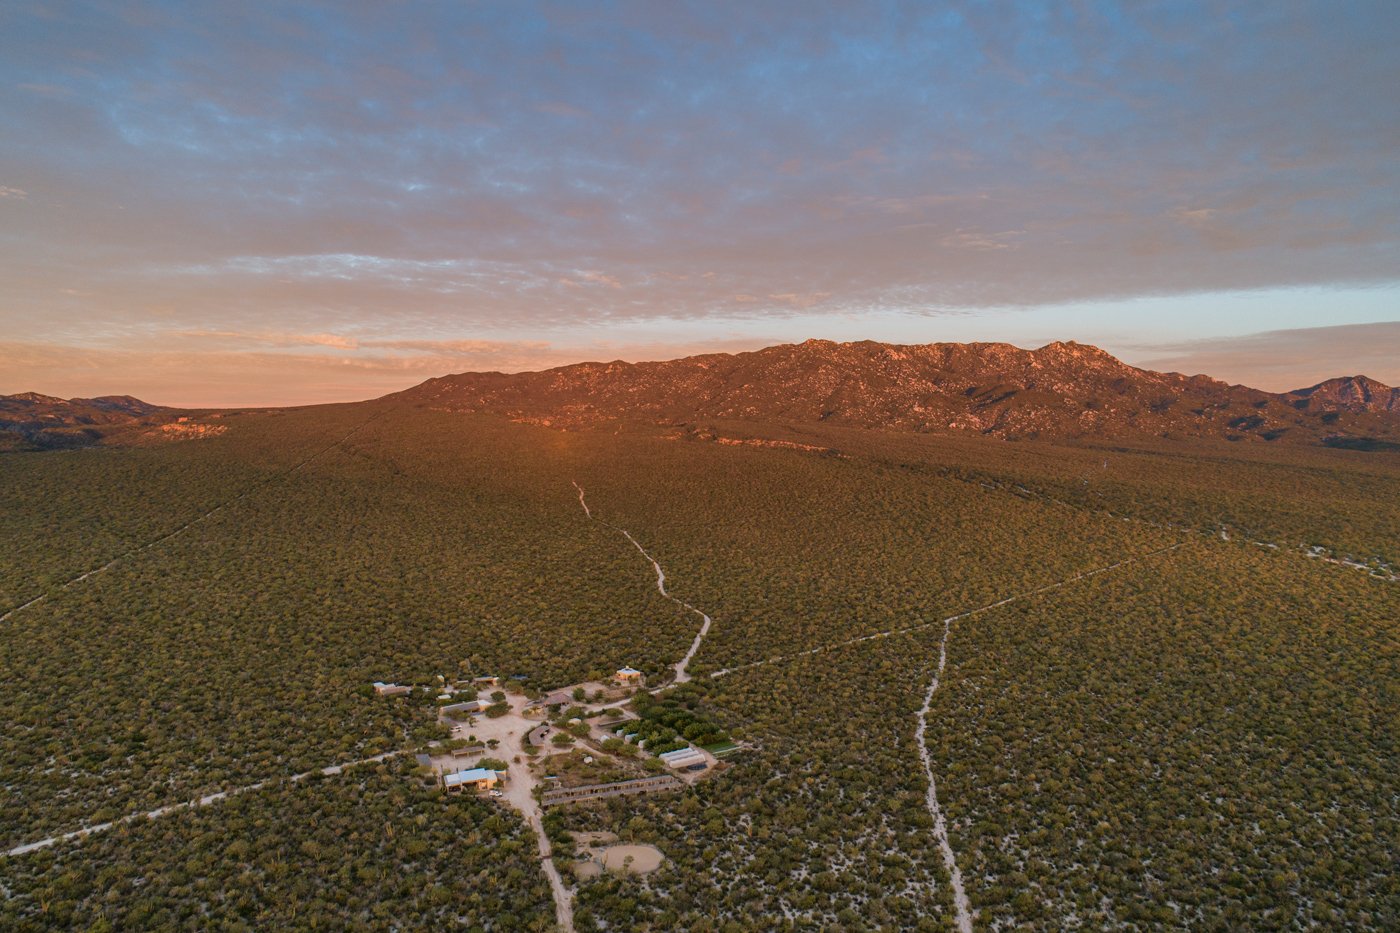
390, 690
477, 779
466, 707
558, 698
629, 675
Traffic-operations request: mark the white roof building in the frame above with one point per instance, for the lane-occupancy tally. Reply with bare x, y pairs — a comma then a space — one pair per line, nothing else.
480, 778
682, 758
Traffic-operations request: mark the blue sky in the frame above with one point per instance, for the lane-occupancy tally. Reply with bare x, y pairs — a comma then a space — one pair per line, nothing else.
259, 203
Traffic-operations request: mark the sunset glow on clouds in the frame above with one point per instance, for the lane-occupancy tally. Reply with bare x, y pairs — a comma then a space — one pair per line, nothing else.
240, 203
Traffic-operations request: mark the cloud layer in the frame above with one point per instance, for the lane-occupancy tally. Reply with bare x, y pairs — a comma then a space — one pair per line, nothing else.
1282, 360
441, 171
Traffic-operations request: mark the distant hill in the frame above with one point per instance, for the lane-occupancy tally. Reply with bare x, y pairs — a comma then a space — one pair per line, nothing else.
33, 421
1350, 393
1061, 390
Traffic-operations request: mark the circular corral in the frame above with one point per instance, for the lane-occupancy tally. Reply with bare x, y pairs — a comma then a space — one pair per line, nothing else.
635, 859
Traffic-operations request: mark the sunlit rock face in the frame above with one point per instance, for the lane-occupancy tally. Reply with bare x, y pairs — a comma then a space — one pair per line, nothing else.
1061, 390
30, 420
1350, 393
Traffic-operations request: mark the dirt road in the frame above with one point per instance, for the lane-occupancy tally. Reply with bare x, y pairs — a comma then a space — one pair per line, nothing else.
680, 668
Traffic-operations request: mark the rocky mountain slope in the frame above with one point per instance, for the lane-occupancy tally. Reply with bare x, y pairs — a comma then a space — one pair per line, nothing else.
31, 420
1350, 393
1061, 390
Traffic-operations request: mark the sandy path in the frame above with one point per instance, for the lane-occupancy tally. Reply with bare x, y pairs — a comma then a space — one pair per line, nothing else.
948, 621
963, 913
204, 801
191, 523
510, 731
680, 667
563, 896
962, 908
1382, 572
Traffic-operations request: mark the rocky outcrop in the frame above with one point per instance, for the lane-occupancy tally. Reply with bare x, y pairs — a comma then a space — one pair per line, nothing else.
1061, 390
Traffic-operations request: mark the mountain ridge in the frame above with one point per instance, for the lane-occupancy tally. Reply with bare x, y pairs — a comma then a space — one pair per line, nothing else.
1352, 393
1063, 389
35, 420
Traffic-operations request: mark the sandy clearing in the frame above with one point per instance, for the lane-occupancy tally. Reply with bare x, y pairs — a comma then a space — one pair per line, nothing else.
589, 869
595, 838
643, 859
510, 731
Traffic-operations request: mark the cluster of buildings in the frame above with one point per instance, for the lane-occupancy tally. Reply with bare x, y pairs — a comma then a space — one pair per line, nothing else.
487, 781
624, 677
445, 692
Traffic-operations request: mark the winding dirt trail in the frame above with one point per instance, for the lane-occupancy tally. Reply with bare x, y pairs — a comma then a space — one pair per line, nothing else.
510, 731
682, 674
204, 801
962, 908
948, 621
963, 912
563, 896
125, 555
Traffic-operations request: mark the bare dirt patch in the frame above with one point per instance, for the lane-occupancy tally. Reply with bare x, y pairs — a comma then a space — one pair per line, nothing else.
589, 869
595, 838
637, 860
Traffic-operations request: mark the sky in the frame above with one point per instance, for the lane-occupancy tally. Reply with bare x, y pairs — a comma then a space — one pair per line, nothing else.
276, 203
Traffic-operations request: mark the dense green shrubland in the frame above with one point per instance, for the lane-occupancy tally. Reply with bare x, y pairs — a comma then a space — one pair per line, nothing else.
367, 850
1206, 740
429, 543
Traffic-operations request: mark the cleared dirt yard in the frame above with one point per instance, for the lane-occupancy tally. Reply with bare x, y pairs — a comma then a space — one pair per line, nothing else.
636, 859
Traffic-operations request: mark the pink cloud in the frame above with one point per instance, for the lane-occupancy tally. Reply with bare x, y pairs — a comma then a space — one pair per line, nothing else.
273, 338
230, 377
800, 299
971, 239
1282, 360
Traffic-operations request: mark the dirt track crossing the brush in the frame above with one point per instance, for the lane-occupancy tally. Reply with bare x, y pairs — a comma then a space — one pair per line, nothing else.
680, 667
204, 801
948, 621
963, 913
962, 908
192, 522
